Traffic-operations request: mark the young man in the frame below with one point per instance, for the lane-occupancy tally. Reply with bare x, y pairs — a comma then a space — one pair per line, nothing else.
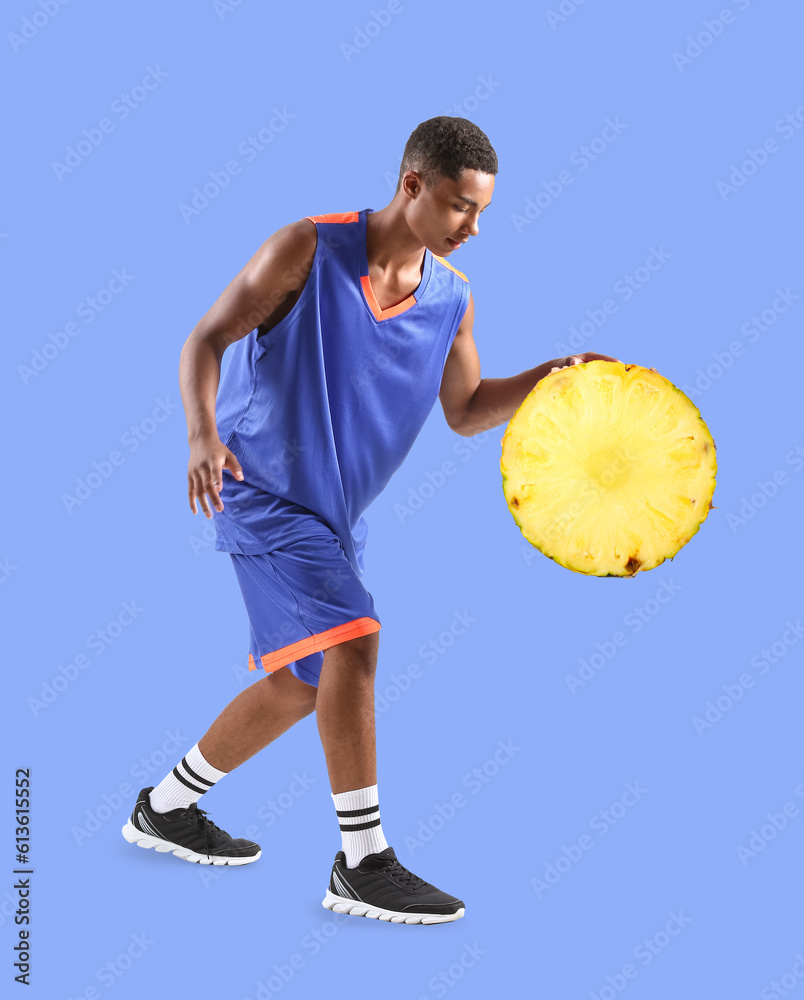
345, 329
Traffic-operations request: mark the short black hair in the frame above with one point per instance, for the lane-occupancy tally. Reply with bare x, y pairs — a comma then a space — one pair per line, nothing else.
445, 147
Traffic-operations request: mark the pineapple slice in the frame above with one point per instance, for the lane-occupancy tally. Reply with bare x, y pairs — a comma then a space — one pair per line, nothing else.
608, 468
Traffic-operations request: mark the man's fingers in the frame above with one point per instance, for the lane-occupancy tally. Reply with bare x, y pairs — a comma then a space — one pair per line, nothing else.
197, 495
205, 478
579, 359
212, 483
198, 498
212, 491
192, 494
233, 466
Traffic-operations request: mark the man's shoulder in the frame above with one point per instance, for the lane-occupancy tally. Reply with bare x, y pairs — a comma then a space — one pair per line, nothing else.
297, 237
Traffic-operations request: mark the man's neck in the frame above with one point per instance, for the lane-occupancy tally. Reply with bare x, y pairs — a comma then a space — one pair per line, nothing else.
391, 247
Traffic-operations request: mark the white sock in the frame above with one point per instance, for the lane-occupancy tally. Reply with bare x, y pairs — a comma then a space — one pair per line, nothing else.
359, 818
186, 783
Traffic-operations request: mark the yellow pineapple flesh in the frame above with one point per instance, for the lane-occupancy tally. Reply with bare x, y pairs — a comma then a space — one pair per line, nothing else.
608, 468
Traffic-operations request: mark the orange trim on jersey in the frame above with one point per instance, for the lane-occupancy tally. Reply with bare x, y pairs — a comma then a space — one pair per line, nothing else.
334, 217
314, 643
374, 305
446, 263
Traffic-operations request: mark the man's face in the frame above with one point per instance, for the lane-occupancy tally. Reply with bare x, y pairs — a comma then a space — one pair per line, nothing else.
445, 216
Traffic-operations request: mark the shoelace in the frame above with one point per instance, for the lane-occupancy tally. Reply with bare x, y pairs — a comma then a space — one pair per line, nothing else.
200, 817
401, 874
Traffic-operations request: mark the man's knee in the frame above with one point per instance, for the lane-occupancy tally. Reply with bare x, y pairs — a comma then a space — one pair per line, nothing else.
358, 654
301, 692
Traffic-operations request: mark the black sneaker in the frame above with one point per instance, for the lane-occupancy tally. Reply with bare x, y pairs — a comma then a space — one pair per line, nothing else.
382, 888
187, 833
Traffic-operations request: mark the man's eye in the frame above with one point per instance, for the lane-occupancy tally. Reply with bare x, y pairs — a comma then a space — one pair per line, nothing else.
459, 209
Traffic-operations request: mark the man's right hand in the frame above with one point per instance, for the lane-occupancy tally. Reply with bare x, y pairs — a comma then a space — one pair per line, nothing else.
208, 458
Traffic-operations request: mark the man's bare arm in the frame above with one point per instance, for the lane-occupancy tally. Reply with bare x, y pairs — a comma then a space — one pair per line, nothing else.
473, 404
279, 268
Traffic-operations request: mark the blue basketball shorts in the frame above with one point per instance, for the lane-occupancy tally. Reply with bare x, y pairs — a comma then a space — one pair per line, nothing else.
301, 599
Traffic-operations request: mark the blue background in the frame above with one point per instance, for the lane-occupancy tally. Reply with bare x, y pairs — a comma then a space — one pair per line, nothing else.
540, 91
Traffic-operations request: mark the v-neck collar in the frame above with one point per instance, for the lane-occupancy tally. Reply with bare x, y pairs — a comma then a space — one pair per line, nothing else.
365, 282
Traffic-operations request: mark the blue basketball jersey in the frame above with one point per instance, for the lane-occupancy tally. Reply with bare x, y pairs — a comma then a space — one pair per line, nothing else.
322, 409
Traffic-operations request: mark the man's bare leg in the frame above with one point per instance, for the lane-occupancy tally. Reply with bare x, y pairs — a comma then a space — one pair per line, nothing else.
252, 720
380, 887
265, 710
345, 711
344, 702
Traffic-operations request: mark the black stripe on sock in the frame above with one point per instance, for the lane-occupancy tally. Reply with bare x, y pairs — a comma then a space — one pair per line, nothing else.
357, 812
361, 826
189, 784
192, 773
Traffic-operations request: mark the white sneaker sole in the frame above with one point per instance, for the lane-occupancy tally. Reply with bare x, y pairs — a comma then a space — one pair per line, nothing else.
358, 909
135, 836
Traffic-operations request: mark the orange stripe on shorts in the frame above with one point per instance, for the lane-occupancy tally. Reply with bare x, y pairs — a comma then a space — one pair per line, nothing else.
314, 643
